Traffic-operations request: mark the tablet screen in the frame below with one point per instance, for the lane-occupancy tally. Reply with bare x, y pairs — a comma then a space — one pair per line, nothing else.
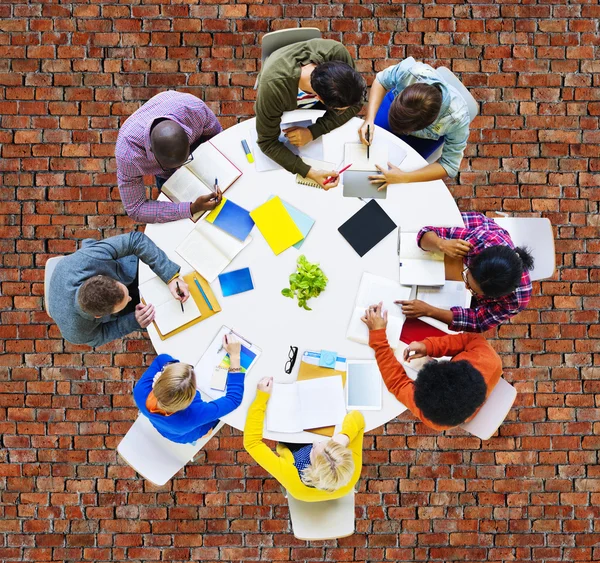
364, 386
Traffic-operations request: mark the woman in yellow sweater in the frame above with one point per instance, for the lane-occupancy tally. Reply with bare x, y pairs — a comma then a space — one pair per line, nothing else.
324, 470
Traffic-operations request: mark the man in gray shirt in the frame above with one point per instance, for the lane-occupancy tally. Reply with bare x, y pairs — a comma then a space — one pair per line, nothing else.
89, 296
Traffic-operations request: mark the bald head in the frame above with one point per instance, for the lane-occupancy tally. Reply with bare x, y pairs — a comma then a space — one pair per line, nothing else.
169, 144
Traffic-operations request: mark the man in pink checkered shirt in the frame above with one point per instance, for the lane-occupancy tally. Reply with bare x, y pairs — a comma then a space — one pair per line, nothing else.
155, 140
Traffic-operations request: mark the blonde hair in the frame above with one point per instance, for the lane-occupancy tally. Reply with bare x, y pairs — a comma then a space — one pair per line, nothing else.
331, 469
175, 389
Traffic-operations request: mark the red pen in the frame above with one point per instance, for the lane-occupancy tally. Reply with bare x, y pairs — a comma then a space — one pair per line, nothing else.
331, 178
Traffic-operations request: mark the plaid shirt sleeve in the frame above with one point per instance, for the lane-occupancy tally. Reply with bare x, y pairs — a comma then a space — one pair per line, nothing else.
472, 221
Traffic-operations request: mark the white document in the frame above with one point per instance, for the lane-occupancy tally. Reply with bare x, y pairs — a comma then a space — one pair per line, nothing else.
356, 153
307, 404
418, 267
209, 250
371, 291
168, 314
451, 294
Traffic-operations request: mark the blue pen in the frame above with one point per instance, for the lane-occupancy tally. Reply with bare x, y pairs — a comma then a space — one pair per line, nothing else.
203, 294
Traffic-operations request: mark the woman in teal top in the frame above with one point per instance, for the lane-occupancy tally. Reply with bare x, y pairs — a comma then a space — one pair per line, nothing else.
413, 101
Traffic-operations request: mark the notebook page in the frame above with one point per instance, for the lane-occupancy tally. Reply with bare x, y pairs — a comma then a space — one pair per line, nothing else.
358, 331
356, 153
199, 252
422, 272
226, 244
210, 163
184, 186
155, 291
451, 294
321, 401
410, 249
283, 409
374, 289
169, 316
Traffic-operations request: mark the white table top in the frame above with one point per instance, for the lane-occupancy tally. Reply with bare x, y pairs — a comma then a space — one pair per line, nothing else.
263, 315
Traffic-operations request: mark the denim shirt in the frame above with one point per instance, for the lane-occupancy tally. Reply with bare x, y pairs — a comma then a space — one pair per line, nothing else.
453, 120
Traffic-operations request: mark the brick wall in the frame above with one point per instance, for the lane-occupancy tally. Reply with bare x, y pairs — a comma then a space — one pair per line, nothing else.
71, 72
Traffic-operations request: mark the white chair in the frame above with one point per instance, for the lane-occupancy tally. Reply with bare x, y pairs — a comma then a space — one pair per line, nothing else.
493, 412
153, 456
472, 104
324, 520
284, 37
51, 264
536, 234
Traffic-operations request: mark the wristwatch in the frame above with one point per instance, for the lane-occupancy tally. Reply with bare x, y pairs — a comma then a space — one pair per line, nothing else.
235, 370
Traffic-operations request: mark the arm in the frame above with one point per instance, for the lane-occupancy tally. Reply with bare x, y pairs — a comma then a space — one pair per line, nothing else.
353, 426
478, 319
214, 410
332, 120
449, 345
84, 331
431, 238
455, 142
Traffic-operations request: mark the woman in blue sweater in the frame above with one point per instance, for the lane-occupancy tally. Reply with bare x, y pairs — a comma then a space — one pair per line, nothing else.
167, 395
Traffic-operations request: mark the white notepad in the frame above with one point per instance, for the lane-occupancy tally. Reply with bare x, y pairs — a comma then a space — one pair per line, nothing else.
356, 153
451, 294
197, 178
168, 314
209, 250
371, 291
311, 403
419, 267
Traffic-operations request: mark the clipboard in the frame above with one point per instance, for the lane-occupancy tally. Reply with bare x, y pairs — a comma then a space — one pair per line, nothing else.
200, 302
310, 371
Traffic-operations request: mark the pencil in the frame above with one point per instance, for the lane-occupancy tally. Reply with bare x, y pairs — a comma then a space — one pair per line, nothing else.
203, 294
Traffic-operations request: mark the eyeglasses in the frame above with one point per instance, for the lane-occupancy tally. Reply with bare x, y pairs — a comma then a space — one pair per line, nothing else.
292, 355
466, 280
187, 161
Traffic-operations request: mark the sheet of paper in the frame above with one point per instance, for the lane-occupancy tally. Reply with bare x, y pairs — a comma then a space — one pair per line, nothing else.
321, 402
358, 331
169, 316
410, 249
283, 409
451, 294
374, 289
356, 153
422, 272
184, 186
155, 291
210, 163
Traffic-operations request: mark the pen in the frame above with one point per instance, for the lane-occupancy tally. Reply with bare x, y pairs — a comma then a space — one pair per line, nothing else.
368, 139
398, 248
331, 178
216, 185
180, 295
246, 148
203, 294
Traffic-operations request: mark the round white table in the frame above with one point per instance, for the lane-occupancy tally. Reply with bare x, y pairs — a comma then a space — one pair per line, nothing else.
264, 316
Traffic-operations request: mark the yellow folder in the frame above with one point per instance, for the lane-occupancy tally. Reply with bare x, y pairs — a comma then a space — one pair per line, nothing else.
276, 225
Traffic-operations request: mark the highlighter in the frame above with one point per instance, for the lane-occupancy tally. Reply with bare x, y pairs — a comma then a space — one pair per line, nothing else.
249, 156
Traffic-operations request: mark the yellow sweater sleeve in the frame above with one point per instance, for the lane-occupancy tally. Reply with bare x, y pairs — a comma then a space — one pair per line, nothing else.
354, 427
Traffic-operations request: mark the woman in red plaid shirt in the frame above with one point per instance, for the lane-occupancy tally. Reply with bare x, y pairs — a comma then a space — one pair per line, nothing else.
495, 272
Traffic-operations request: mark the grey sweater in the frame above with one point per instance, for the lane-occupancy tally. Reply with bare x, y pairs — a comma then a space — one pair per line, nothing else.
115, 257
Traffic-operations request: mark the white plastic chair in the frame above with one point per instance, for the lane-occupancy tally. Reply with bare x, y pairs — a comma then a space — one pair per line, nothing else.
153, 456
284, 37
324, 520
51, 264
536, 234
493, 412
472, 104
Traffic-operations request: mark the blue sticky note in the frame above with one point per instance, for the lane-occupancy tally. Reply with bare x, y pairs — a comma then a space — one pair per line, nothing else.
234, 220
237, 281
327, 359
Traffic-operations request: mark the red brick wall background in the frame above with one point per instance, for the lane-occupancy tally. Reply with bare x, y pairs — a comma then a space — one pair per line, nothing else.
71, 72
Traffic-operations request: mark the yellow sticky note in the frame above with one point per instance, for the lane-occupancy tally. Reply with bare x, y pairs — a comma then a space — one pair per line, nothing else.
215, 212
276, 225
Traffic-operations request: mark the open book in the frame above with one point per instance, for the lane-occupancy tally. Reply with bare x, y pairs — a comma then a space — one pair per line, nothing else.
168, 314
418, 267
371, 291
210, 250
197, 177
311, 403
451, 294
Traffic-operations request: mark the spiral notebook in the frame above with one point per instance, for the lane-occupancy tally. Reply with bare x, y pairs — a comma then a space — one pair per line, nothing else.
317, 165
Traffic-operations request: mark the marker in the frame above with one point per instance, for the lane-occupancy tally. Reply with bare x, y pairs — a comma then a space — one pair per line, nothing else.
203, 294
246, 148
368, 139
180, 295
331, 178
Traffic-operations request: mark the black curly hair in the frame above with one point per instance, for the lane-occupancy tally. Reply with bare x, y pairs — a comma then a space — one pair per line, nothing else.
448, 393
338, 84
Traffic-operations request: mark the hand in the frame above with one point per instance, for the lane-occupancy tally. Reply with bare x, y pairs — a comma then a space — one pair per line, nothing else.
419, 349
206, 202
320, 176
374, 317
362, 131
391, 176
415, 308
144, 314
455, 248
184, 292
265, 384
298, 136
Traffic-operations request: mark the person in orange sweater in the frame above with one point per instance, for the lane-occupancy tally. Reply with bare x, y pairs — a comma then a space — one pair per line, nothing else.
444, 394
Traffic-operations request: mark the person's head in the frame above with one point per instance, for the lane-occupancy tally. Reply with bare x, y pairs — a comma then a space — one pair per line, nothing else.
338, 85
331, 467
497, 270
448, 393
175, 388
169, 144
102, 295
415, 108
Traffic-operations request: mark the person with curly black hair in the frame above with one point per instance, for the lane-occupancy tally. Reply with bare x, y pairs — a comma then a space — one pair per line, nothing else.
445, 393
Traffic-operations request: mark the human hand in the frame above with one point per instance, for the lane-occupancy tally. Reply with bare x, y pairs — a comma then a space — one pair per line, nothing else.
206, 202
419, 349
265, 384
391, 176
298, 136
415, 308
362, 131
144, 314
181, 293
320, 176
455, 248
374, 317
234, 348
